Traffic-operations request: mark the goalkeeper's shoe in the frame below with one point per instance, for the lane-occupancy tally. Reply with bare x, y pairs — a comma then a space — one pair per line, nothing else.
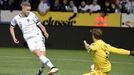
40, 71
53, 70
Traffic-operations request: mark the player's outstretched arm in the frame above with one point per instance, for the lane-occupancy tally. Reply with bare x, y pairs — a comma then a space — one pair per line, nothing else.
120, 51
44, 30
11, 29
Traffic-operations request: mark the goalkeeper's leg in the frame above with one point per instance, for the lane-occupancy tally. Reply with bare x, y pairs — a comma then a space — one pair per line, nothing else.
86, 74
92, 71
97, 72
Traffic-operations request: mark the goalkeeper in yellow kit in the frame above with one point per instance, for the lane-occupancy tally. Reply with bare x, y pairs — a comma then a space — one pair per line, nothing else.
100, 51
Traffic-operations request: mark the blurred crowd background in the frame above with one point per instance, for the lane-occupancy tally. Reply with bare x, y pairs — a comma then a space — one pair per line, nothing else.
109, 6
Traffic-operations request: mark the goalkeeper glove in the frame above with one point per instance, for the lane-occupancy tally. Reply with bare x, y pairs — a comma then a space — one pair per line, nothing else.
132, 53
86, 45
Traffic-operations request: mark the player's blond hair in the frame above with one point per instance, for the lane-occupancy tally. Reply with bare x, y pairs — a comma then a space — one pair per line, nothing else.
25, 3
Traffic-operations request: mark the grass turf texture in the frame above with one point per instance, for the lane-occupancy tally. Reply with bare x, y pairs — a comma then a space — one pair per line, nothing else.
19, 61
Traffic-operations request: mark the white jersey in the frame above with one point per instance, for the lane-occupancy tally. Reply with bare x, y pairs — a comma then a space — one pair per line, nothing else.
28, 25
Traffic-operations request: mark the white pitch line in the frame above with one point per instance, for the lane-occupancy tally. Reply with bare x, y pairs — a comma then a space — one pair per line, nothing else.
65, 59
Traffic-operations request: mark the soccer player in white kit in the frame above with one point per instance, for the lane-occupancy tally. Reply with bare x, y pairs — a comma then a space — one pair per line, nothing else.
29, 23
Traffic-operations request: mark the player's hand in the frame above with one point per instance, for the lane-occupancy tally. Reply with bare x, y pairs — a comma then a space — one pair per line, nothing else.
46, 35
86, 45
15, 41
132, 53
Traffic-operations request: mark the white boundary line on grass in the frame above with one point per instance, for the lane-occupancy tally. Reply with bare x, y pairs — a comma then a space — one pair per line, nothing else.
66, 59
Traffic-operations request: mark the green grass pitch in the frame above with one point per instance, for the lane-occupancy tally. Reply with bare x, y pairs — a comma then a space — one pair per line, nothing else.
20, 61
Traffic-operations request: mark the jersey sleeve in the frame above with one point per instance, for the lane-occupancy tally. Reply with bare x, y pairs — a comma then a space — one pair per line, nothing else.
36, 20
118, 50
13, 22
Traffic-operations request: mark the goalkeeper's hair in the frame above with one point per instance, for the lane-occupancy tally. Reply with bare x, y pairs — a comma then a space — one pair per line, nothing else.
97, 33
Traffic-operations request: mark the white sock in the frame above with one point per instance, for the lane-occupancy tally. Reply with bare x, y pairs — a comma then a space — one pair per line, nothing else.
46, 61
50, 65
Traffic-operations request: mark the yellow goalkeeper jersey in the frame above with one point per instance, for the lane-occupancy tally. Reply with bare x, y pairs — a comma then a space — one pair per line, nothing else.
100, 53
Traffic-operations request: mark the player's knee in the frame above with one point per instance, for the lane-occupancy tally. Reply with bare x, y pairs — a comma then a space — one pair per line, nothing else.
43, 52
38, 53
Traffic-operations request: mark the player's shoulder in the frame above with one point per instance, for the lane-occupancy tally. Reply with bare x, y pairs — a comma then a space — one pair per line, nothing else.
94, 43
16, 16
32, 13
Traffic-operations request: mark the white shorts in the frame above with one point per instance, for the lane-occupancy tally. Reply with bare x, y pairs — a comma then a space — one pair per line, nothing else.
36, 42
